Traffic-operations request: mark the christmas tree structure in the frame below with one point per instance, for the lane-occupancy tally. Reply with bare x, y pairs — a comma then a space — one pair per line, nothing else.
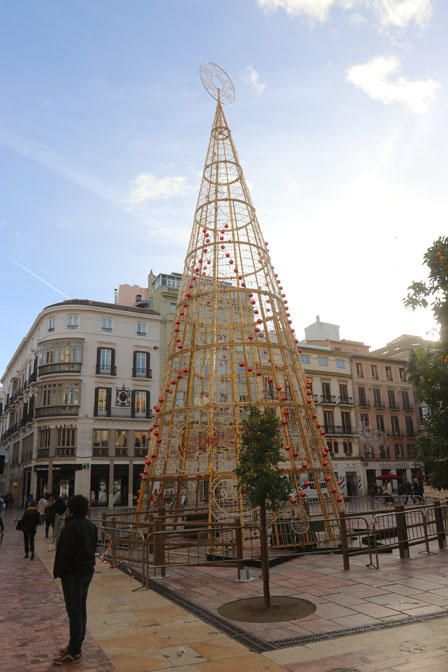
232, 347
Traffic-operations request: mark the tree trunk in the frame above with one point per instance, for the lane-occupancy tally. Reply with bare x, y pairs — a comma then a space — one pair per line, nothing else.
264, 556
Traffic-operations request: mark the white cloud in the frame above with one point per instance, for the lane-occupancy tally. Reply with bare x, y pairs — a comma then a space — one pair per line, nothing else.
254, 79
379, 79
395, 13
147, 187
400, 13
317, 10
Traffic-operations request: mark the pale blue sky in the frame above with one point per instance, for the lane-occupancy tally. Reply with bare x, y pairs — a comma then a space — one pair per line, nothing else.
341, 136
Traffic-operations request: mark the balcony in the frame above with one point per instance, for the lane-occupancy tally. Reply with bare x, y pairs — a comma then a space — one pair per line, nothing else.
100, 452
105, 370
396, 432
32, 378
364, 403
338, 430
346, 401
394, 407
141, 373
121, 452
43, 453
64, 451
378, 404
59, 367
328, 398
408, 408
55, 411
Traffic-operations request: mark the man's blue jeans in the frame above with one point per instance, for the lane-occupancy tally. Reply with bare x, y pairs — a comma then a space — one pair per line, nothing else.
75, 590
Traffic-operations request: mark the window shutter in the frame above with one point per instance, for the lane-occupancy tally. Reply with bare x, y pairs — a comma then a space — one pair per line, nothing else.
148, 402
148, 366
109, 401
98, 359
133, 404
112, 362
95, 408
134, 363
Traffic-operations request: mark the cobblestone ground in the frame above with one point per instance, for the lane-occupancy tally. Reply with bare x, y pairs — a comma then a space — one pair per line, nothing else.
33, 621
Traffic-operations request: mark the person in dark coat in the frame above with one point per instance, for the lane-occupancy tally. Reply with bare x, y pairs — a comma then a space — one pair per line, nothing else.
74, 564
49, 515
30, 521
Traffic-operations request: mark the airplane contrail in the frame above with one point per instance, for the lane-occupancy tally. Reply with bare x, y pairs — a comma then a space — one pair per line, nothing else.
39, 278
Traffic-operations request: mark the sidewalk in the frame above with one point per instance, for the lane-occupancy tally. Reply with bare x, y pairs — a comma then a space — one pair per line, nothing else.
134, 630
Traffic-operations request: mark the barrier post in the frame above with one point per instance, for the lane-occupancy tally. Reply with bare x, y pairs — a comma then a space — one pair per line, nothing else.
113, 525
344, 541
402, 532
159, 543
440, 527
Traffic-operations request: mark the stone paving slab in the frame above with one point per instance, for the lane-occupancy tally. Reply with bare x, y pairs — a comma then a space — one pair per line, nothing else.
362, 596
33, 621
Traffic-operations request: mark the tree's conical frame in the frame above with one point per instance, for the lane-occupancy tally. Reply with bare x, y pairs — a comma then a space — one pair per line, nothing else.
232, 346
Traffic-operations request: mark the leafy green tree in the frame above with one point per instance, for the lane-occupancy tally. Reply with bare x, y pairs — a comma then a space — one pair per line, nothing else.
429, 368
259, 477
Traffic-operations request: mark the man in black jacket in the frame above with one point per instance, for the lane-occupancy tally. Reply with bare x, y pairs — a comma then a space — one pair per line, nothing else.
73, 563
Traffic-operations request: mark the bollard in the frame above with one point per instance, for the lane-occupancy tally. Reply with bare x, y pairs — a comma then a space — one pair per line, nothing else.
239, 547
344, 542
440, 527
402, 532
113, 524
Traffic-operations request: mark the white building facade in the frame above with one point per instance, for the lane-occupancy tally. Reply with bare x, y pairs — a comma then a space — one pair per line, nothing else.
78, 396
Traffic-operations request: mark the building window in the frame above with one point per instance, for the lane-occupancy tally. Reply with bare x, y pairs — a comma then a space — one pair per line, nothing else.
326, 393
140, 404
66, 437
347, 447
142, 329
101, 438
346, 422
364, 420
340, 363
343, 392
305, 359
389, 373
380, 423
105, 361
398, 451
409, 426
323, 361
141, 439
44, 438
335, 447
374, 371
395, 423
58, 394
141, 367
103, 399
51, 324
121, 438
359, 370
405, 400
106, 324
329, 421
72, 321
362, 396
391, 397
402, 374
377, 397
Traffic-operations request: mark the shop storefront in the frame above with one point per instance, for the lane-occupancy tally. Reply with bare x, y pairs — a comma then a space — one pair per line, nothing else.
120, 485
136, 480
64, 480
41, 471
99, 485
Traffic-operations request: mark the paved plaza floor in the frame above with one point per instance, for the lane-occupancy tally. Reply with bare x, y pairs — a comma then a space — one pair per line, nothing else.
137, 630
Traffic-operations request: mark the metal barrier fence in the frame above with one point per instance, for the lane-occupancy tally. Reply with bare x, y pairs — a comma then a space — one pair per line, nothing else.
168, 541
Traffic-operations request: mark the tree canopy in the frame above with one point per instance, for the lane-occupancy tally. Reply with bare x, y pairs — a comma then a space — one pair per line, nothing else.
428, 368
258, 473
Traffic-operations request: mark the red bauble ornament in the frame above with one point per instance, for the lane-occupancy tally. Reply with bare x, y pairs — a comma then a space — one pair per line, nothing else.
302, 494
157, 409
327, 479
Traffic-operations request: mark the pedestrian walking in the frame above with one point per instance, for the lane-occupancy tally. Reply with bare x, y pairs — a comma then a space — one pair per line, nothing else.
74, 564
49, 515
41, 504
30, 521
59, 511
